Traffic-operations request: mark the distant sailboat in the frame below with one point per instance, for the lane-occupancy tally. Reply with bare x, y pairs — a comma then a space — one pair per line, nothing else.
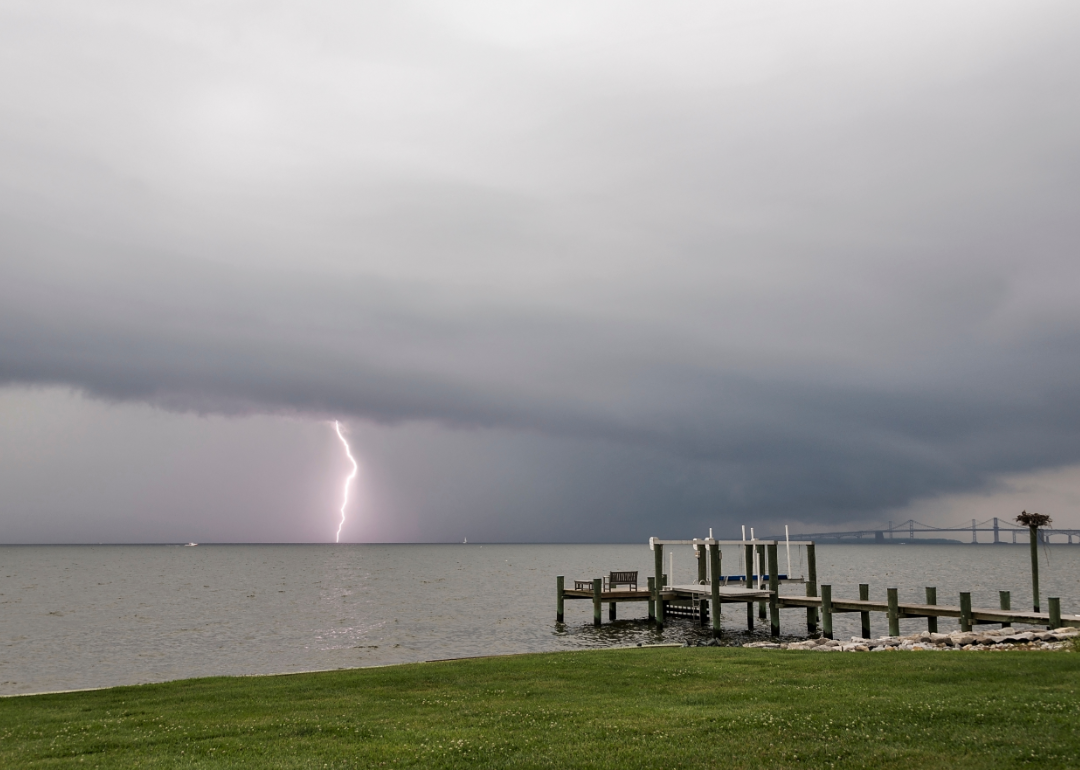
465, 541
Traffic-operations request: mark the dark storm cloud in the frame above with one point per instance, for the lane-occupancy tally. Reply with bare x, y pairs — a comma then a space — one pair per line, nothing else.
769, 261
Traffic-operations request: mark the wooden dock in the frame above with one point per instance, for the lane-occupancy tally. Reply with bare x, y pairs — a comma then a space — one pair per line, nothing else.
702, 600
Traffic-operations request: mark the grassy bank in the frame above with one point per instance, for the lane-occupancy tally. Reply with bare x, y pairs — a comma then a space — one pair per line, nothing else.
652, 708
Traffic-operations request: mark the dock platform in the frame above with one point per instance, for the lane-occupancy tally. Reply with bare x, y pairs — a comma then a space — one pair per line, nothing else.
702, 599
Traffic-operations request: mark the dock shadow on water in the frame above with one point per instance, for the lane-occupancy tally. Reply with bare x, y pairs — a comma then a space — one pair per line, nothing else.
628, 633
96, 616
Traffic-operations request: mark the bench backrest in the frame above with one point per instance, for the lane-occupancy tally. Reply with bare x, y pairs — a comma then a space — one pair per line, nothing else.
616, 578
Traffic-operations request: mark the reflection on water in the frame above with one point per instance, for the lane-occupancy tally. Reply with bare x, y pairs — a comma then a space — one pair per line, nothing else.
89, 616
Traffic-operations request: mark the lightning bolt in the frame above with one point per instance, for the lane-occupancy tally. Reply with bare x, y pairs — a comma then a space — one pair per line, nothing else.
348, 481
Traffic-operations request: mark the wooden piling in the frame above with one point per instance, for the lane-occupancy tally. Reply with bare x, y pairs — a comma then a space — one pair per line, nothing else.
597, 589
559, 583
864, 595
1035, 565
714, 566
761, 569
894, 613
965, 611
702, 564
652, 598
1005, 599
611, 611
826, 611
1055, 612
931, 598
748, 580
658, 558
811, 588
774, 589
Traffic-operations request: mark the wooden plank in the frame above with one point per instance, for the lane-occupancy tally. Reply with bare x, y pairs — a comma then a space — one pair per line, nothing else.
640, 596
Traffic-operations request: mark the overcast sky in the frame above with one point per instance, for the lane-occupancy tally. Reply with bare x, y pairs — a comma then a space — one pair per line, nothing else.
565, 271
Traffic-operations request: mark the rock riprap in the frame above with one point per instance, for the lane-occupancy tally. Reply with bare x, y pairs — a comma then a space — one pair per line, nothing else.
994, 639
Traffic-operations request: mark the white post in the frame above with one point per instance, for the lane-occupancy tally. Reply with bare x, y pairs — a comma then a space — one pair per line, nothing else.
742, 551
787, 543
753, 550
671, 568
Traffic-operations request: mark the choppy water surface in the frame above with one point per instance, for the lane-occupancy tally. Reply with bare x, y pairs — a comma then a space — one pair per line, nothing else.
91, 616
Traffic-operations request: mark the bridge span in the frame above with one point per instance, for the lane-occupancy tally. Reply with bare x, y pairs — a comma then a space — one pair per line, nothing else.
992, 531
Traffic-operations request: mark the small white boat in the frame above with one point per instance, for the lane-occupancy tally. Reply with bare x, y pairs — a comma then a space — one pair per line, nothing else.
190, 544
465, 541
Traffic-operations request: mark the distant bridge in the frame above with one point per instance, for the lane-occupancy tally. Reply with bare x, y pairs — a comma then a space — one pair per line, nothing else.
998, 532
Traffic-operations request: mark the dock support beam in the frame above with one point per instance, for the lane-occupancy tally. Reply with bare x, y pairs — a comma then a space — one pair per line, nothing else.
761, 573
714, 567
1035, 565
864, 595
559, 582
1005, 598
931, 598
701, 552
826, 611
658, 559
965, 611
611, 611
652, 598
894, 613
1055, 612
597, 589
749, 580
811, 589
774, 590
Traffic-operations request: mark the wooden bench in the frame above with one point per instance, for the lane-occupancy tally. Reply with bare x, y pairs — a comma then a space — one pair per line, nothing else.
616, 579
612, 581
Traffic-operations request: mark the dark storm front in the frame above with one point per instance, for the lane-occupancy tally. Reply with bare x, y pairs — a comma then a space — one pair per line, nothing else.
92, 616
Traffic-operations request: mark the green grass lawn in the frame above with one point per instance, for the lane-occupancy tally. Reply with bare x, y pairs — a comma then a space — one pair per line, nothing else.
654, 708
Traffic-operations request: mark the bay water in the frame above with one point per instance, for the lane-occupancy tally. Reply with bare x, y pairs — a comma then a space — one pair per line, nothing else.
75, 617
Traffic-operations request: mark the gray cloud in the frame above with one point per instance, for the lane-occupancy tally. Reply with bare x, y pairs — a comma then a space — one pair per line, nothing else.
764, 262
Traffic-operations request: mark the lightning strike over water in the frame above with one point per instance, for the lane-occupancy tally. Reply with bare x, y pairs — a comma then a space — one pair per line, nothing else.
348, 481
